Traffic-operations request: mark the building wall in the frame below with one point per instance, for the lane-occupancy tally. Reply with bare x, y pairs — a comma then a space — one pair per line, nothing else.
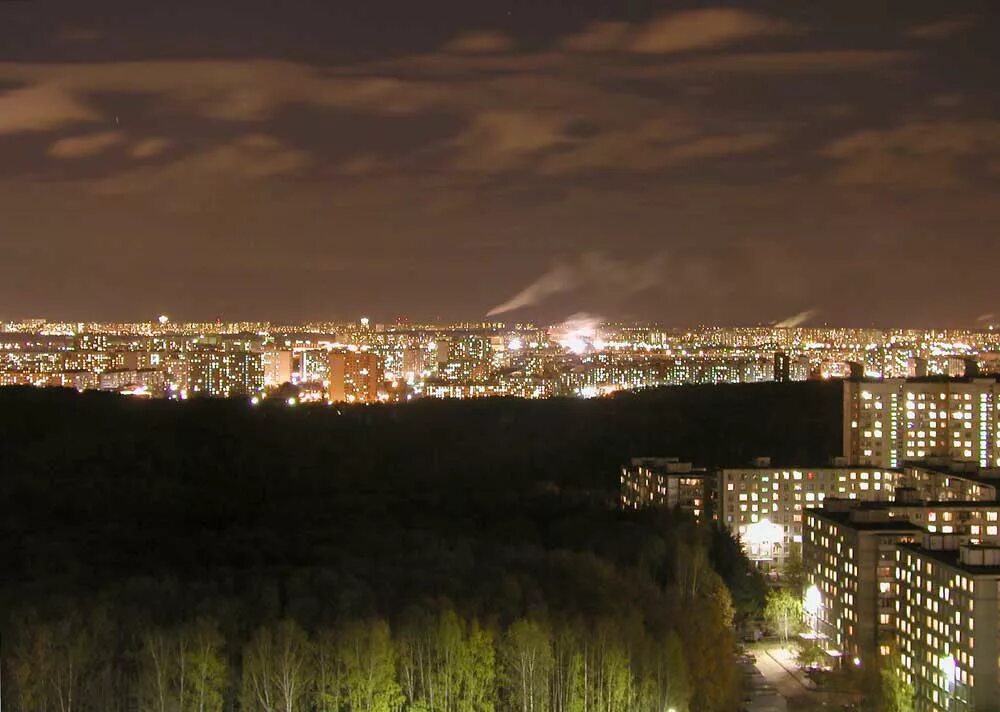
355, 376
947, 611
889, 422
854, 569
764, 507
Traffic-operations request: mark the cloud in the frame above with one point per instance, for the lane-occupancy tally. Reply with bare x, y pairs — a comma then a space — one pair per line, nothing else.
597, 37
40, 108
654, 146
148, 147
724, 145
220, 89
84, 146
251, 157
942, 29
764, 63
704, 29
79, 34
483, 42
593, 272
796, 319
502, 140
916, 154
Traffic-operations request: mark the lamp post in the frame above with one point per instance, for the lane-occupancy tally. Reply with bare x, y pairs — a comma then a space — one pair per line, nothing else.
812, 602
949, 674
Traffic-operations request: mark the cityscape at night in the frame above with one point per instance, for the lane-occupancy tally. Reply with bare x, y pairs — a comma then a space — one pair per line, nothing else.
368, 362
508, 356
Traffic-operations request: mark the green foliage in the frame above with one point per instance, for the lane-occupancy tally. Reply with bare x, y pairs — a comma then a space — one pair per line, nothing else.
743, 579
276, 674
478, 530
793, 573
810, 653
895, 694
783, 611
369, 668
182, 669
526, 657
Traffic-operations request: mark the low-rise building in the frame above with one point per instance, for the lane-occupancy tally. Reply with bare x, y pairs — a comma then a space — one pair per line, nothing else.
667, 482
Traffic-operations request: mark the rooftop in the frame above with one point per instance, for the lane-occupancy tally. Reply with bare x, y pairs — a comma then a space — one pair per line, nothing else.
963, 558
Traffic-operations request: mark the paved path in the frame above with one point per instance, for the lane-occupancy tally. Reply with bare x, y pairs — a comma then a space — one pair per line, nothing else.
778, 668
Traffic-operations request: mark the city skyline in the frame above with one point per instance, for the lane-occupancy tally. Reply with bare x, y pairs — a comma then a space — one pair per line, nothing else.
685, 163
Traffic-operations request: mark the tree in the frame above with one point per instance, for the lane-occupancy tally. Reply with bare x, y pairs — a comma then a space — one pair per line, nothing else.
707, 640
182, 669
328, 672
71, 654
161, 672
479, 673
676, 679
275, 669
368, 662
793, 573
527, 662
208, 669
783, 611
31, 662
896, 694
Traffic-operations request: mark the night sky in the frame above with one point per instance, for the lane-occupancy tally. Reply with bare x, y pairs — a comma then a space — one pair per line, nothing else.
680, 162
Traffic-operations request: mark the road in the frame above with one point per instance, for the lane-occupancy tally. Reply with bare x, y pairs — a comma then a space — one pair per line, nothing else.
776, 665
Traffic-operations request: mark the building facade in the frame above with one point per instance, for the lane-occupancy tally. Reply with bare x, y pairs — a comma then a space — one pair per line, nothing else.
949, 624
887, 423
849, 555
667, 482
764, 506
355, 376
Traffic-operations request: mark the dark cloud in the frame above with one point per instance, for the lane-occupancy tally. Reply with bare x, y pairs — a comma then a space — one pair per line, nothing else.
701, 29
481, 42
86, 145
917, 155
941, 29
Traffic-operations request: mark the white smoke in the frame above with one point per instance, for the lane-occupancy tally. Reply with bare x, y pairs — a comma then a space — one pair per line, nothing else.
592, 271
796, 319
986, 317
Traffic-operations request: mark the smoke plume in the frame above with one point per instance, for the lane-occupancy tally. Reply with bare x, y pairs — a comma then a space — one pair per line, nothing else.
592, 271
796, 319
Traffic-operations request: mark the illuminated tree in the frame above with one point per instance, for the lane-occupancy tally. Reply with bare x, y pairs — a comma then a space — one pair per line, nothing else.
896, 694
276, 673
527, 663
208, 671
31, 661
369, 668
783, 611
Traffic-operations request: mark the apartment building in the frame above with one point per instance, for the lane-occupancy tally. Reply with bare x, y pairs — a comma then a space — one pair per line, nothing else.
949, 623
667, 482
886, 423
765, 506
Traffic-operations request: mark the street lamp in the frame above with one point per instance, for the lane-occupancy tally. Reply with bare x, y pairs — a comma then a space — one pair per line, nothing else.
949, 671
812, 603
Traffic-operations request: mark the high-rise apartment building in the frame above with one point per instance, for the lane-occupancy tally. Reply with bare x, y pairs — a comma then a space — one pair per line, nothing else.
355, 376
277, 365
223, 373
849, 556
889, 422
949, 623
